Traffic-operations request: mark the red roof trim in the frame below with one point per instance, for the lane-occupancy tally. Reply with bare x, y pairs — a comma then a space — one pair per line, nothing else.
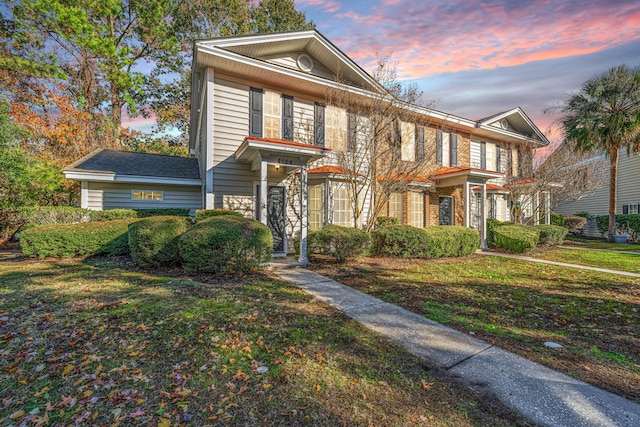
282, 142
460, 169
410, 178
493, 187
337, 170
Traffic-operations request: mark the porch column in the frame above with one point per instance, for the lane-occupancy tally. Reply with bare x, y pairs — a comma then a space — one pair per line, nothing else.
466, 204
304, 216
547, 207
483, 220
263, 192
536, 208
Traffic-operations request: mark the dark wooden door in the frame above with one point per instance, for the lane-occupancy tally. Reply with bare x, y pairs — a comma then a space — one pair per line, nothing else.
276, 217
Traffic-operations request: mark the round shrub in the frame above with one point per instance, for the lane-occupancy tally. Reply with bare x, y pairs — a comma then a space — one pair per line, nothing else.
551, 234
575, 224
399, 241
492, 224
153, 241
516, 237
79, 239
451, 240
225, 244
383, 221
338, 242
208, 213
557, 219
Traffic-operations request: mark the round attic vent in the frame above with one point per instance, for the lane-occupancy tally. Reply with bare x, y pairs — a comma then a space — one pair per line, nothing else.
305, 63
504, 123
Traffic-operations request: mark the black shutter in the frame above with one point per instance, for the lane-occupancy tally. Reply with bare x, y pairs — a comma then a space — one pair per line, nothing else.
287, 117
498, 159
510, 155
483, 155
638, 208
453, 145
255, 112
625, 209
318, 125
351, 132
419, 143
439, 147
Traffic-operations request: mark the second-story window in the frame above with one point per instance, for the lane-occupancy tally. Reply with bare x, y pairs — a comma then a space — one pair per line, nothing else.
408, 141
272, 115
446, 148
336, 128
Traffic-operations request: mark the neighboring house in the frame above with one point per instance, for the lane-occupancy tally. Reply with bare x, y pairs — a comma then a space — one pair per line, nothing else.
596, 202
267, 139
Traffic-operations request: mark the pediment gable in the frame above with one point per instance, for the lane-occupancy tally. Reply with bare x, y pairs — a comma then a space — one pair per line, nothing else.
306, 52
515, 121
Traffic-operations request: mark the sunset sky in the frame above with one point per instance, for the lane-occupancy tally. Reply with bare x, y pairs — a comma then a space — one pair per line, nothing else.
477, 58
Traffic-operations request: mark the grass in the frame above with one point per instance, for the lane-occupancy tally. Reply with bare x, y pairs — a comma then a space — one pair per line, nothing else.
518, 306
98, 343
609, 260
601, 244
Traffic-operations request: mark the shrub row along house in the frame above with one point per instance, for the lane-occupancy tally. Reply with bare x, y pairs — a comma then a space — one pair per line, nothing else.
289, 130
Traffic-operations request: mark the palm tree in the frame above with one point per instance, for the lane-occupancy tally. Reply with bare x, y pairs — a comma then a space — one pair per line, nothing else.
605, 116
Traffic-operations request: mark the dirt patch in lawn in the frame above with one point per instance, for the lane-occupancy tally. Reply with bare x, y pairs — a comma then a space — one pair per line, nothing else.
518, 306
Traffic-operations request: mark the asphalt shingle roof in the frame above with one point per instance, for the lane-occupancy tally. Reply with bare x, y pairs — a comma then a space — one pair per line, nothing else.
138, 164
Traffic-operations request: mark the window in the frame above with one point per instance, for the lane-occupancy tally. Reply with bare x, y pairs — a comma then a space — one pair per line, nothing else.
255, 112
408, 140
342, 207
630, 209
492, 206
483, 155
446, 148
514, 161
272, 115
416, 201
498, 159
395, 206
146, 195
316, 207
336, 128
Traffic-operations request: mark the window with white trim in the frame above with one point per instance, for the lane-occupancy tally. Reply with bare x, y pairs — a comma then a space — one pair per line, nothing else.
408, 141
342, 207
316, 208
272, 116
147, 195
336, 128
395, 206
416, 202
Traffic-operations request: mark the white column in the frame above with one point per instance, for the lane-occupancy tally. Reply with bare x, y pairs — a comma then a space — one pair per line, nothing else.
483, 221
84, 195
304, 216
536, 208
467, 214
207, 112
547, 207
263, 192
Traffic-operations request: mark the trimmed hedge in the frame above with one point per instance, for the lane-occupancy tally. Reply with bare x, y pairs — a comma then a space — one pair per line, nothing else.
383, 221
551, 234
602, 222
145, 213
516, 237
405, 241
630, 224
79, 239
153, 241
557, 219
112, 214
338, 242
225, 244
208, 213
492, 224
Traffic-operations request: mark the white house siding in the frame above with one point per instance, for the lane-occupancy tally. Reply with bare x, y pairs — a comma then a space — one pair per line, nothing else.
103, 195
475, 154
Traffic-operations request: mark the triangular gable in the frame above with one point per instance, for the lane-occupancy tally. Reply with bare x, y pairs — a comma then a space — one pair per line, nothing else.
306, 51
515, 121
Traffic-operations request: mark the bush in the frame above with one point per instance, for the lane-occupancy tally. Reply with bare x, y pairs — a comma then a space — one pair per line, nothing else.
153, 241
516, 237
602, 222
208, 213
399, 241
31, 216
451, 240
225, 244
575, 224
491, 226
583, 214
557, 219
551, 234
405, 241
80, 239
145, 213
383, 221
338, 242
629, 224
112, 214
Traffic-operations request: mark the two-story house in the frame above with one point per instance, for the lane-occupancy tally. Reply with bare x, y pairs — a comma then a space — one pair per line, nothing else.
269, 141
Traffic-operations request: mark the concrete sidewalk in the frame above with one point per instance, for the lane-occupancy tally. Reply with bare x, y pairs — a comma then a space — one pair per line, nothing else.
542, 395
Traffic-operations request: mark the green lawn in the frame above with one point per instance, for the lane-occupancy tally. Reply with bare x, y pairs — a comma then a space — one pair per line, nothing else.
599, 244
610, 260
518, 306
95, 343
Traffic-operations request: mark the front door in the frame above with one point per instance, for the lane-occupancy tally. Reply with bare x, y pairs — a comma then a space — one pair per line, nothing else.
446, 210
276, 217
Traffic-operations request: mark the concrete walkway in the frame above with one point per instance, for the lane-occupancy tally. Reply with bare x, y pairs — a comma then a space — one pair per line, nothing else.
561, 264
542, 395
